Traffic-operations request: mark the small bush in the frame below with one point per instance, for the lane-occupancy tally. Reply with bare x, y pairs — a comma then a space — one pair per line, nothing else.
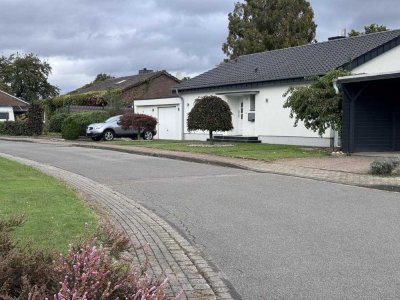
56, 121
384, 167
138, 121
87, 271
75, 124
70, 129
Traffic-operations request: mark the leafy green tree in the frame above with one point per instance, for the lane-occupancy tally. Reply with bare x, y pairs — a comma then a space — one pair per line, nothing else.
317, 105
210, 113
369, 29
26, 77
261, 25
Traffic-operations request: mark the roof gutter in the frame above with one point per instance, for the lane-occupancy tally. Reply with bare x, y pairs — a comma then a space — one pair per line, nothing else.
182, 114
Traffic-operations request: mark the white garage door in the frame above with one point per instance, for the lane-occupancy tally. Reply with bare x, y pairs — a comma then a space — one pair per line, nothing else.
168, 119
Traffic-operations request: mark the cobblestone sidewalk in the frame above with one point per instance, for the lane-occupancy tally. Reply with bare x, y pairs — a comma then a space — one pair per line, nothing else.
169, 253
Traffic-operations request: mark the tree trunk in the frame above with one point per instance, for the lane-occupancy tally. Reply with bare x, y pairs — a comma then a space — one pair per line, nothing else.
211, 138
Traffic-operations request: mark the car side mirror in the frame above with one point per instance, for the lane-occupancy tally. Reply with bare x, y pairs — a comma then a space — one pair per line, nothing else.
119, 123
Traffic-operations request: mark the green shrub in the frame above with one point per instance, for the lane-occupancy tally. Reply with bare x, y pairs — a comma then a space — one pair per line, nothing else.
15, 128
75, 124
384, 167
56, 121
70, 129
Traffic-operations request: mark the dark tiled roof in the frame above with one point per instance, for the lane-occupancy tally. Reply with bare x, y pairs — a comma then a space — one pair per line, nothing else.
120, 82
9, 100
290, 63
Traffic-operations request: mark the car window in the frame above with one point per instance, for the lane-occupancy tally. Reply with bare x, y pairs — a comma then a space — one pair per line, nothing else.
112, 119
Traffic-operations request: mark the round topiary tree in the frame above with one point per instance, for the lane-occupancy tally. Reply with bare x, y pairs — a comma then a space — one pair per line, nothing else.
210, 113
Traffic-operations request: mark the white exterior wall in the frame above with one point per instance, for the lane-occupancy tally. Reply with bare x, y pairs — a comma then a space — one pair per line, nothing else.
10, 112
272, 124
384, 63
151, 108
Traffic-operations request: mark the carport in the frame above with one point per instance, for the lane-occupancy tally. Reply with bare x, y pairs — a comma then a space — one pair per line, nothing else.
371, 112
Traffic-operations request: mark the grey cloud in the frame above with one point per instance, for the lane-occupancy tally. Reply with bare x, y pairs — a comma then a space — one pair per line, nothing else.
86, 37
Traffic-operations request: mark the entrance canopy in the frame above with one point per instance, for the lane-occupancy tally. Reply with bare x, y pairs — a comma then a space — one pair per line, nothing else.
371, 112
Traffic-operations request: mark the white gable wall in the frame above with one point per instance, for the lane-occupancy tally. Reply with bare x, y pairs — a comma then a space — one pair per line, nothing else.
386, 62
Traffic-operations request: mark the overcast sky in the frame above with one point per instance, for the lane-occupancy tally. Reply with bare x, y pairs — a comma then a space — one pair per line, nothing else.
81, 38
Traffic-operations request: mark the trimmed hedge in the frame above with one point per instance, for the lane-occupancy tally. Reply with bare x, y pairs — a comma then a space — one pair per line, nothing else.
56, 121
15, 128
75, 124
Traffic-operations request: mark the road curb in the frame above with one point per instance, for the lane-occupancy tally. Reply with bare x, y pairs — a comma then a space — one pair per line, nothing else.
171, 254
338, 177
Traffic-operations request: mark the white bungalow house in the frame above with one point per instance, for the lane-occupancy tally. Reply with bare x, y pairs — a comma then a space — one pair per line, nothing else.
254, 85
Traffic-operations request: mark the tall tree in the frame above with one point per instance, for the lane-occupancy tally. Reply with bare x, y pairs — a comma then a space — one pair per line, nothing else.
261, 25
369, 29
26, 77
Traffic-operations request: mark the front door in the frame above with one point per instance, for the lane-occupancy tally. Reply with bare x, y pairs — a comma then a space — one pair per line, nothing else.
239, 127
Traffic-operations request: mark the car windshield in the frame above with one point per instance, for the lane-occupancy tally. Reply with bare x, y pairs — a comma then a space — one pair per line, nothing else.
112, 119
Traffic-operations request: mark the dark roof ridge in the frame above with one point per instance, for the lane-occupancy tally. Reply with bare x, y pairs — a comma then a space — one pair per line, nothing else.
324, 42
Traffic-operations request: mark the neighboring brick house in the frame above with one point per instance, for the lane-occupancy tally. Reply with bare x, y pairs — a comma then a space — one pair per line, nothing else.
145, 85
11, 106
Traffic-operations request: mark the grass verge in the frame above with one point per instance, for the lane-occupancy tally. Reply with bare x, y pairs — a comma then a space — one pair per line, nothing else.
266, 152
55, 215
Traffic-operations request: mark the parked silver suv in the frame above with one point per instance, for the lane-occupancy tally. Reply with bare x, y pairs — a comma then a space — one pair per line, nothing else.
111, 129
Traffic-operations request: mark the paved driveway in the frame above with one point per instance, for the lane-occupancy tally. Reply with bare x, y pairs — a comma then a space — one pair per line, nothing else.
274, 237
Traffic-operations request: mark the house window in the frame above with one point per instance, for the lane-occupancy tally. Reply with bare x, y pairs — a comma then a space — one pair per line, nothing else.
252, 102
4, 116
241, 110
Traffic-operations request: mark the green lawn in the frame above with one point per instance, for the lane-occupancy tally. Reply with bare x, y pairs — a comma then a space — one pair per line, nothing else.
55, 216
265, 152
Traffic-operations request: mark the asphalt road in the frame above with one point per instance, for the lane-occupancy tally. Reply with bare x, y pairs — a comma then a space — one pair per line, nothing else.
274, 237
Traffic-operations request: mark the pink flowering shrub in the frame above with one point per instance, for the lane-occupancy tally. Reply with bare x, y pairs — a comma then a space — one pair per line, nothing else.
87, 271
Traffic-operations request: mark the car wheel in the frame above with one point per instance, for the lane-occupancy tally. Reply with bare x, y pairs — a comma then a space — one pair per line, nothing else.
134, 137
108, 135
148, 135
96, 138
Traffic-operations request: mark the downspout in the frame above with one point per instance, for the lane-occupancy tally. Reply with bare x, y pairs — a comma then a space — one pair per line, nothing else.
335, 86
335, 134
182, 114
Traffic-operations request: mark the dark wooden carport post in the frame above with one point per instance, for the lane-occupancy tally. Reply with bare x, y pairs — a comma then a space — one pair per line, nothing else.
348, 101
